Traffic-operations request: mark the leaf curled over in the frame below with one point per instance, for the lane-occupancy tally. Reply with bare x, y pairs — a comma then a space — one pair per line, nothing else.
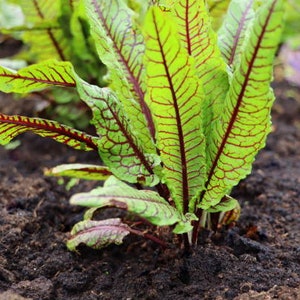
144, 203
98, 234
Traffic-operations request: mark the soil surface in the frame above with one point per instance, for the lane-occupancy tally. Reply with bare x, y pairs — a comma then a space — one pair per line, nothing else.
259, 258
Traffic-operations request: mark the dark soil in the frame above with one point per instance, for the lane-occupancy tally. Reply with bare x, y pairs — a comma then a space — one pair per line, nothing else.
257, 259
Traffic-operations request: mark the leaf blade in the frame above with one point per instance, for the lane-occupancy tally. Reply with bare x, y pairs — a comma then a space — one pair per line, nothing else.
197, 36
173, 92
144, 203
36, 77
119, 146
14, 125
234, 29
243, 127
45, 41
120, 46
97, 234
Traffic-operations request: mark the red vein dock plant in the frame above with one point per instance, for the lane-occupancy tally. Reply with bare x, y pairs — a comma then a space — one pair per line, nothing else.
184, 114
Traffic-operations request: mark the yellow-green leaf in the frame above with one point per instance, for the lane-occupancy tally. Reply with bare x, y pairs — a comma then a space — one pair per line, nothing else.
42, 30
119, 146
37, 77
120, 46
200, 41
244, 124
175, 99
144, 203
12, 126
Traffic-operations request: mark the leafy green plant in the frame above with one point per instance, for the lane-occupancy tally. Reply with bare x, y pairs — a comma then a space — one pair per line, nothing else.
184, 115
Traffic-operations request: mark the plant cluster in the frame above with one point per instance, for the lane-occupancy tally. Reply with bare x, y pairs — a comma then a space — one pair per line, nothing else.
185, 111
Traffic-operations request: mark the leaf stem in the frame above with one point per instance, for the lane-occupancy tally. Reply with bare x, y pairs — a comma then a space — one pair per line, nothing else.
196, 226
149, 237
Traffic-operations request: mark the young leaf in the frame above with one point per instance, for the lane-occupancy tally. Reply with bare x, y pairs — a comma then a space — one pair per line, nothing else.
185, 225
12, 126
144, 203
234, 29
226, 204
36, 77
175, 99
120, 47
82, 171
119, 147
98, 234
245, 122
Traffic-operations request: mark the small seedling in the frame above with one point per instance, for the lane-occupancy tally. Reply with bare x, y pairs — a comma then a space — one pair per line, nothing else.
185, 112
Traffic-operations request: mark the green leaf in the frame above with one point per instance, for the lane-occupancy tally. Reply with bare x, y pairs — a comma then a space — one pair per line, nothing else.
175, 99
36, 77
200, 41
120, 47
38, 10
98, 234
245, 122
119, 147
12, 126
42, 30
82, 171
185, 225
234, 30
89, 214
226, 204
50, 44
144, 203
217, 10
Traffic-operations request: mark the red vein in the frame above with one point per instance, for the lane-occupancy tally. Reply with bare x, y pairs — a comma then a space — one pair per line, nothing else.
187, 25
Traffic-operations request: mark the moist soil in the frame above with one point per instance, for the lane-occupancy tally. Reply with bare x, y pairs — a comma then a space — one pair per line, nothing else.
259, 258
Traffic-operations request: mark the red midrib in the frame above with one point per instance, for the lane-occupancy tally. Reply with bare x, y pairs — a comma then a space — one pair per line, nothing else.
185, 190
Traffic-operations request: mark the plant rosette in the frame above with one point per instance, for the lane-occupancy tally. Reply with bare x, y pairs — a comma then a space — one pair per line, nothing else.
186, 110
